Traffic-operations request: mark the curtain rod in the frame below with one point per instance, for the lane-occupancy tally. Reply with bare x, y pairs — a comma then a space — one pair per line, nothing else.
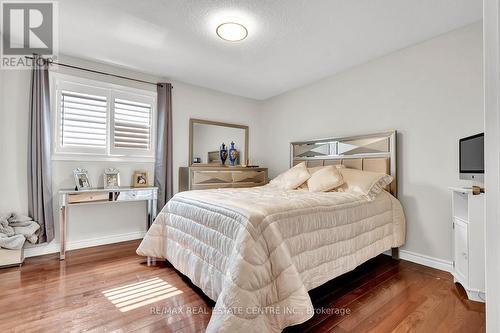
97, 72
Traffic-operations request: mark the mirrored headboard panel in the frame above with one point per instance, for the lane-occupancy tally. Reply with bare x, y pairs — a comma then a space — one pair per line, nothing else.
371, 152
206, 137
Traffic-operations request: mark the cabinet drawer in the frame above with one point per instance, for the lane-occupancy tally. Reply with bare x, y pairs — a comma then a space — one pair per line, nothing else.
88, 197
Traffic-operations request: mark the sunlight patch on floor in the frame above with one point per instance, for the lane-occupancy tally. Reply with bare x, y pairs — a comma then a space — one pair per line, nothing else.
135, 295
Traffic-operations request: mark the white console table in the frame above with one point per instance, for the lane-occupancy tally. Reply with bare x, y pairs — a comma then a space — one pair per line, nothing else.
468, 242
99, 195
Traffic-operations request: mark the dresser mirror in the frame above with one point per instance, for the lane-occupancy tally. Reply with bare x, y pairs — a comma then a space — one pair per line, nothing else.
206, 138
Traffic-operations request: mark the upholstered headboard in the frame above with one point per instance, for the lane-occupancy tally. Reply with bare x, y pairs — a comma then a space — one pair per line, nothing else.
371, 152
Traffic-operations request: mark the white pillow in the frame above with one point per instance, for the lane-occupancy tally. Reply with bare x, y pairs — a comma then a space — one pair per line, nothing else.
311, 172
365, 182
325, 179
292, 178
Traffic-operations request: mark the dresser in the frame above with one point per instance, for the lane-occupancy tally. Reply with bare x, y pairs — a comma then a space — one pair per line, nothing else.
210, 177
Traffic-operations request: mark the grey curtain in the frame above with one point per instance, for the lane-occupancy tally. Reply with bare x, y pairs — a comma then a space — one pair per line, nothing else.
39, 152
163, 162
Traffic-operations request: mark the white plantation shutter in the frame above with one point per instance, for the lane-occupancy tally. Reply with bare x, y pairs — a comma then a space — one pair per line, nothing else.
98, 120
132, 125
83, 120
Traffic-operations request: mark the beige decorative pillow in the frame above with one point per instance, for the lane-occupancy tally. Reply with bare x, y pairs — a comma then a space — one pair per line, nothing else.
365, 182
292, 178
325, 179
311, 172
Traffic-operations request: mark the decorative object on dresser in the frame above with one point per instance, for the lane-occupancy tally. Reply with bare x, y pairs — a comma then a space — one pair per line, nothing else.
468, 242
141, 179
111, 178
222, 154
200, 178
206, 137
99, 196
233, 155
81, 179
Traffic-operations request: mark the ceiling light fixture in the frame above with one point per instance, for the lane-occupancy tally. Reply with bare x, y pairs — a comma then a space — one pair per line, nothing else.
231, 31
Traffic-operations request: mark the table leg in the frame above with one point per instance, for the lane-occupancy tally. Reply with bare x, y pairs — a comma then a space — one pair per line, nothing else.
62, 232
154, 208
149, 218
151, 213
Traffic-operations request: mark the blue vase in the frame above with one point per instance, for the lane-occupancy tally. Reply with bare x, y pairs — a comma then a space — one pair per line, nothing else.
223, 154
233, 155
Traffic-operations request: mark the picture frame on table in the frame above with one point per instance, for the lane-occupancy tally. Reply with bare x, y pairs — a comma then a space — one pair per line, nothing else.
82, 181
111, 178
141, 179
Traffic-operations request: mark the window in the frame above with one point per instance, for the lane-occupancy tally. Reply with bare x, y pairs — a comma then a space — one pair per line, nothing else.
83, 120
131, 125
101, 120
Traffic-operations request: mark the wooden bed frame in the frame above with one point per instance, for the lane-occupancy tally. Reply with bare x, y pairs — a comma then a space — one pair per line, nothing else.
371, 152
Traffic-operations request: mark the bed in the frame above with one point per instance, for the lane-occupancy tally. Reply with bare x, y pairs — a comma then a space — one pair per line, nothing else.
258, 251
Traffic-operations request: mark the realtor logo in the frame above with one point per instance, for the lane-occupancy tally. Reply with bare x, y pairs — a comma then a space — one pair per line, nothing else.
27, 28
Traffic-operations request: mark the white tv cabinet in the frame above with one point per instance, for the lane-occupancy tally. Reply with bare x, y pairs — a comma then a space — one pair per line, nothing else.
468, 242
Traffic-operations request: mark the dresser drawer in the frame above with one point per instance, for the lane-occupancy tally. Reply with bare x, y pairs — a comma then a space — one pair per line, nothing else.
204, 177
249, 177
88, 197
201, 178
135, 195
210, 186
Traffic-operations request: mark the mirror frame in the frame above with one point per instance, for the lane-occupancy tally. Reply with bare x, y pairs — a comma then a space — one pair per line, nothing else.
194, 121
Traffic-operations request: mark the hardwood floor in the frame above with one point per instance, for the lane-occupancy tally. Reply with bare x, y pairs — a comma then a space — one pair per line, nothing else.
110, 288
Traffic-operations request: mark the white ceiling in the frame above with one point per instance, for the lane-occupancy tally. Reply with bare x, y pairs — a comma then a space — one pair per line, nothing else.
290, 42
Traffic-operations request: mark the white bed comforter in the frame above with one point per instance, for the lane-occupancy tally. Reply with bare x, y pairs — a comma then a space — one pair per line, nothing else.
258, 251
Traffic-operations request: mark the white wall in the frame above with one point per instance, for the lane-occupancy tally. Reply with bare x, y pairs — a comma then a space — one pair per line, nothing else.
13, 137
431, 93
492, 167
99, 224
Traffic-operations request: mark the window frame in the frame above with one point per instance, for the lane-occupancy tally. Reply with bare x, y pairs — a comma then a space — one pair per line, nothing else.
60, 82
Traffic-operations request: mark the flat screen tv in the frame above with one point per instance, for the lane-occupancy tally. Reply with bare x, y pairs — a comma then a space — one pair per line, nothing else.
472, 157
